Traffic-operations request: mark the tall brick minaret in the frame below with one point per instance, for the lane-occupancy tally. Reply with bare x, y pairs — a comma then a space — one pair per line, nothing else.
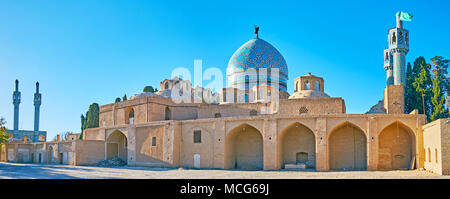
37, 105
394, 64
394, 56
16, 102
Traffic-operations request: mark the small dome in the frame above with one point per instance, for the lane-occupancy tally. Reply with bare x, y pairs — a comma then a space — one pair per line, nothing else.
308, 94
144, 94
377, 108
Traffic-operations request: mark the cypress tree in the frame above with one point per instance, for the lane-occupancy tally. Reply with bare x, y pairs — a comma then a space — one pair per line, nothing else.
441, 65
91, 120
410, 92
83, 122
438, 99
92, 116
422, 84
415, 97
440, 87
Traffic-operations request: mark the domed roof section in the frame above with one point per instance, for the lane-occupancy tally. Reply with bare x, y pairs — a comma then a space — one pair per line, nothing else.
144, 94
257, 54
308, 94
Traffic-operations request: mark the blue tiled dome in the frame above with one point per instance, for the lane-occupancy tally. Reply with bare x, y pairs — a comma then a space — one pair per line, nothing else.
257, 54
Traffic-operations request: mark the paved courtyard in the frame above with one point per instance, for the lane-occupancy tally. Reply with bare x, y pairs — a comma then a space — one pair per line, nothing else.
36, 171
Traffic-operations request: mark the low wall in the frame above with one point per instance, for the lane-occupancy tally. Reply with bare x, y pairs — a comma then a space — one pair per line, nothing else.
89, 152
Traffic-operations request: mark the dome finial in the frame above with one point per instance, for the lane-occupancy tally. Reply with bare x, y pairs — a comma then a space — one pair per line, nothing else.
256, 31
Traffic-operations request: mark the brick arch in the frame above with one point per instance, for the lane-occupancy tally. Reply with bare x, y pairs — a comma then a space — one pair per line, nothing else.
50, 154
128, 112
347, 146
254, 124
403, 123
355, 124
110, 131
309, 125
116, 145
293, 142
396, 147
244, 148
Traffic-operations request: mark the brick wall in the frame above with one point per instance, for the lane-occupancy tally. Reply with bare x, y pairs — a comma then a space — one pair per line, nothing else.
445, 144
394, 101
437, 146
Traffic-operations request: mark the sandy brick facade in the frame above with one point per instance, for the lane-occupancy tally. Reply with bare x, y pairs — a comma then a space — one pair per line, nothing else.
436, 146
394, 99
271, 141
301, 132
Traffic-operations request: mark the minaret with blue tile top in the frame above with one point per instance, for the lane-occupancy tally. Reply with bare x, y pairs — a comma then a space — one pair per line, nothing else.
394, 56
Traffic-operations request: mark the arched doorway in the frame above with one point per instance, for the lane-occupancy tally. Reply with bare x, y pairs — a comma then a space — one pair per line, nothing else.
297, 145
168, 114
347, 148
244, 148
50, 157
116, 146
129, 117
396, 147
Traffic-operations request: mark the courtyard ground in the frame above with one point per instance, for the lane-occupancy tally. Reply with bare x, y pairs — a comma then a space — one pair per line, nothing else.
37, 171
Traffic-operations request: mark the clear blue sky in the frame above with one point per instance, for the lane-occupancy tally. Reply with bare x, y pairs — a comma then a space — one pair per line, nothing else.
94, 51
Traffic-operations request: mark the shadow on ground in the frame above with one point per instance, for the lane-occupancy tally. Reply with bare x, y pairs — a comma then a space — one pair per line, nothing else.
33, 171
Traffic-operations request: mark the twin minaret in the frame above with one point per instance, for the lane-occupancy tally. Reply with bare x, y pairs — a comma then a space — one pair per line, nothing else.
394, 56
37, 105
16, 102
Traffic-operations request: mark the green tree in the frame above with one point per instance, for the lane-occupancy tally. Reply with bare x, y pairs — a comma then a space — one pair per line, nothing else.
118, 100
91, 120
410, 92
3, 136
440, 87
413, 98
83, 122
416, 97
150, 89
92, 116
438, 99
422, 84
441, 65
124, 98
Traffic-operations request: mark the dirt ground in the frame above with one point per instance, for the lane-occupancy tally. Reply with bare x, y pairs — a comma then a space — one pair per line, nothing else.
36, 171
